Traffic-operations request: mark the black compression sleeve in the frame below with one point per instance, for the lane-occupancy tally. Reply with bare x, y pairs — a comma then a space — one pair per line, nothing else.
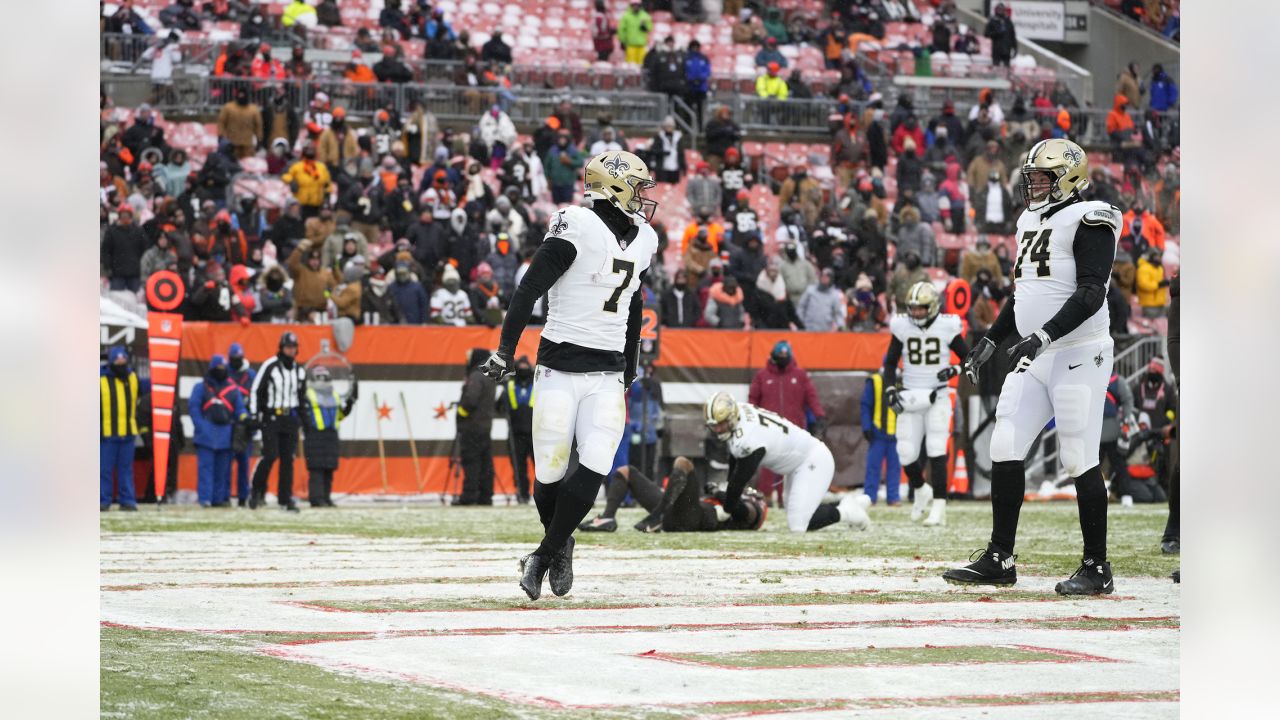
635, 318
550, 262
1004, 324
891, 359
959, 346
741, 470
1095, 252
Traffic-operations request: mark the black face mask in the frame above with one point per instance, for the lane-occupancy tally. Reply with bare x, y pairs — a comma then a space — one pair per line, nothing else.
120, 371
236, 363
792, 253
912, 262
524, 372
219, 373
274, 283
781, 360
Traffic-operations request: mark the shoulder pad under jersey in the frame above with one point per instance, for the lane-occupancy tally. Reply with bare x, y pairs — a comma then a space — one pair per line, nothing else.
1108, 216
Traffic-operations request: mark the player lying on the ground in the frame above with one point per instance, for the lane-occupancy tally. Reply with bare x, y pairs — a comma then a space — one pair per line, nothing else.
682, 507
1060, 367
924, 402
759, 438
589, 266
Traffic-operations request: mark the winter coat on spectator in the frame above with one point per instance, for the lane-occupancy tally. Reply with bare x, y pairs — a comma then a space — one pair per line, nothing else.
634, 28
902, 281
746, 263
909, 172
411, 300
1164, 93
981, 167
559, 173
274, 299
979, 259
241, 124
316, 229
848, 147
504, 265
347, 296
797, 275
680, 307
1153, 232
821, 310
1129, 87
772, 86
215, 406
336, 146
915, 236
725, 309
721, 134
787, 391
929, 199
121, 251
331, 251
697, 257
804, 188
877, 144
903, 132
697, 72
390, 69
1119, 124
157, 258
1118, 311
703, 191
1151, 284
213, 301
770, 55
497, 129
377, 305
1124, 273
665, 70
310, 287
313, 181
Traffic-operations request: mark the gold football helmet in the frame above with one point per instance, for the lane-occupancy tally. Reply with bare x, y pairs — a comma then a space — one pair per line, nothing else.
720, 412
621, 178
923, 303
1054, 170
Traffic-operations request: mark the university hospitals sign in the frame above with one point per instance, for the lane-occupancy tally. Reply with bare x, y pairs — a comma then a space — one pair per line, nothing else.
1037, 20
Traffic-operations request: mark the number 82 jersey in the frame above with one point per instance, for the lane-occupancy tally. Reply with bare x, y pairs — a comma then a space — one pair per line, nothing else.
786, 446
925, 350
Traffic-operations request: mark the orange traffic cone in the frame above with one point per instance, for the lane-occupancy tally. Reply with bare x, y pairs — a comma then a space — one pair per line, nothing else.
959, 475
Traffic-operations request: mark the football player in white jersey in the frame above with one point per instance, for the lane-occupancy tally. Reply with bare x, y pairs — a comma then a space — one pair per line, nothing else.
1061, 365
923, 404
758, 437
590, 266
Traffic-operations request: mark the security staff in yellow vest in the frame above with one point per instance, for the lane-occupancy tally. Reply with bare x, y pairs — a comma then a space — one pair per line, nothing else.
516, 399
118, 389
879, 427
321, 416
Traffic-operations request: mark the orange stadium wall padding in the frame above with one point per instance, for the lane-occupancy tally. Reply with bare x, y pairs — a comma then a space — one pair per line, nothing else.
426, 366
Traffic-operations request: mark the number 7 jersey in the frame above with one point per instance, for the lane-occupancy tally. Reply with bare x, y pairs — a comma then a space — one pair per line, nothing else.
1045, 273
925, 350
589, 303
786, 447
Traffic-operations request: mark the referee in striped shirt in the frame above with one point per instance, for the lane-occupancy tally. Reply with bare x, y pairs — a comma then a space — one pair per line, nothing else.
274, 402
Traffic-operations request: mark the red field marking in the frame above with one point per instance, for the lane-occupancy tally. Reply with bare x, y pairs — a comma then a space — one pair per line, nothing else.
1060, 657
347, 635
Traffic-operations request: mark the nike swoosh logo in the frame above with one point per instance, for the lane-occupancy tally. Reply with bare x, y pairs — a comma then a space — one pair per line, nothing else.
1073, 367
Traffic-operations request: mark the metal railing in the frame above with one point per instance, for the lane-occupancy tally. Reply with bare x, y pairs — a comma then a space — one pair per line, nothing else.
763, 115
192, 95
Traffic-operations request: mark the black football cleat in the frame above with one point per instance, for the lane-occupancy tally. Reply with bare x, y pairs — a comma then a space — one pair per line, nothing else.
600, 524
987, 567
533, 568
1176, 575
1170, 547
561, 574
652, 523
1091, 578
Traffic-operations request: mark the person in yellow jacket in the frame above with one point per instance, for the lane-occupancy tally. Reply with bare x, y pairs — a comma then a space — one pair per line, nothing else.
301, 13
118, 388
770, 85
1151, 283
309, 180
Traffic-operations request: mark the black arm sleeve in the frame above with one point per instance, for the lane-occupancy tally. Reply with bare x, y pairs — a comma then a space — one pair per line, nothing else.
891, 359
959, 346
550, 262
1095, 252
631, 351
1004, 324
741, 470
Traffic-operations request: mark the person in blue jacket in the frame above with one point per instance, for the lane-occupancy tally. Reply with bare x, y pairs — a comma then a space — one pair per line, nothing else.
215, 406
1164, 92
242, 374
879, 427
697, 74
644, 416
118, 390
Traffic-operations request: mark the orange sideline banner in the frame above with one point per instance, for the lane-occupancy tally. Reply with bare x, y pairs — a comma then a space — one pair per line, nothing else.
427, 362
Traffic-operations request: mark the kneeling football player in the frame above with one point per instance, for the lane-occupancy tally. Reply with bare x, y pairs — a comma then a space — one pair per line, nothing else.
758, 438
681, 507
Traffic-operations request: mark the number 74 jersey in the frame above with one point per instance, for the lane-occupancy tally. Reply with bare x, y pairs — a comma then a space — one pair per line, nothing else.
588, 305
925, 350
786, 446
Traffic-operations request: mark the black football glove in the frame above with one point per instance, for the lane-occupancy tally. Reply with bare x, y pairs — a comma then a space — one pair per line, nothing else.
891, 397
1027, 350
499, 366
976, 357
948, 372
819, 429
868, 434
354, 393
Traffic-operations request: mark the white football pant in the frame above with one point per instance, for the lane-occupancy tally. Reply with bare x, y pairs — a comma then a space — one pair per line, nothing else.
805, 487
588, 407
1068, 385
920, 418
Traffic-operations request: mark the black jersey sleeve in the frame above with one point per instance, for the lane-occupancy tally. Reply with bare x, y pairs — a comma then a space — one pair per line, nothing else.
741, 470
891, 359
1095, 252
550, 262
635, 319
959, 346
1005, 323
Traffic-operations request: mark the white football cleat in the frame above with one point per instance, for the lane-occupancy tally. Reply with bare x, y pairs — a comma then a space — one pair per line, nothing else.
937, 513
853, 512
864, 500
924, 495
